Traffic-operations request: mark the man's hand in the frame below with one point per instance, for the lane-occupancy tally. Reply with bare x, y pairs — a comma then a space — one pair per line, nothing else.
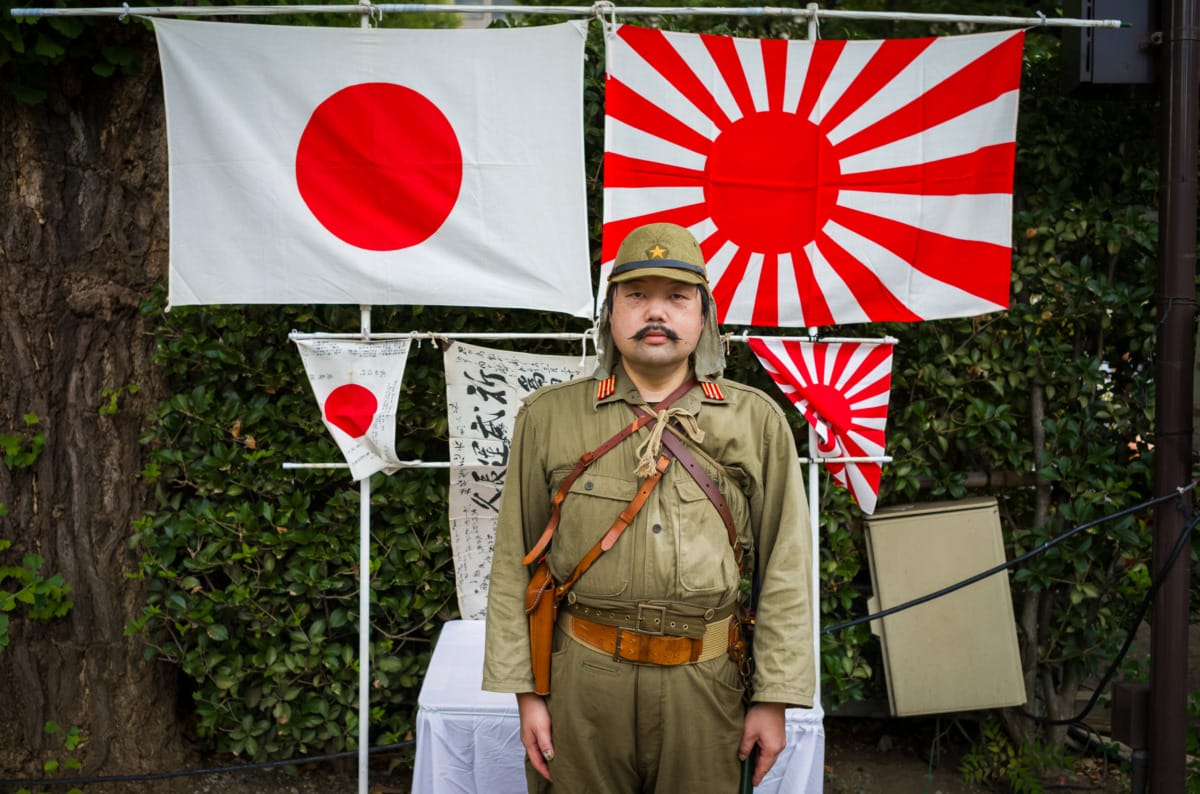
535, 731
764, 726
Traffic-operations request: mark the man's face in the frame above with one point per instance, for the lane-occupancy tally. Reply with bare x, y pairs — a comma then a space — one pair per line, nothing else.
656, 323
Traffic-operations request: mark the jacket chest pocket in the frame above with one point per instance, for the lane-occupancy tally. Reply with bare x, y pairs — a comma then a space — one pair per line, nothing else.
590, 508
704, 556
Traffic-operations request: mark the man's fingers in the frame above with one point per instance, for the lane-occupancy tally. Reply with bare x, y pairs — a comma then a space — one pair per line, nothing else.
538, 757
763, 764
535, 732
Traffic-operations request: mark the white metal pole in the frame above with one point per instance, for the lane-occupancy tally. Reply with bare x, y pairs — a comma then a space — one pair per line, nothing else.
814, 520
364, 604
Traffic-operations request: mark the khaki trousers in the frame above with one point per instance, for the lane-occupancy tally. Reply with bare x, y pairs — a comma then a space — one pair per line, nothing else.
624, 728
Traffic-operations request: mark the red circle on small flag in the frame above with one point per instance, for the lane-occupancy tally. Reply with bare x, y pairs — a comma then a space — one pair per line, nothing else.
351, 408
379, 166
831, 405
764, 178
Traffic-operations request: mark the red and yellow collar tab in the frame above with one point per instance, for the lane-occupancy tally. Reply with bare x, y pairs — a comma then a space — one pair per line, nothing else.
606, 387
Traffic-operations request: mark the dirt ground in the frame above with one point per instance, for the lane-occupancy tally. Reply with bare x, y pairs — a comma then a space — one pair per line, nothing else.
862, 756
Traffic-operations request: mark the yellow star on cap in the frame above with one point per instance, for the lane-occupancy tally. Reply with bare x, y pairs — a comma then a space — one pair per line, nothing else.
657, 252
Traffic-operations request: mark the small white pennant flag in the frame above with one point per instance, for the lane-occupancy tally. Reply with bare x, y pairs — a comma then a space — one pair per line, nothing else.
357, 386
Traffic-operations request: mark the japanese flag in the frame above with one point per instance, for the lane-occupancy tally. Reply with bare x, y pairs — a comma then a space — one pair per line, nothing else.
368, 166
357, 386
842, 388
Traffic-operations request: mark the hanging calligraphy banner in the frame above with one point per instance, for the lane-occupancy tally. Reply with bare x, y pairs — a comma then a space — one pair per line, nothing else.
357, 386
484, 389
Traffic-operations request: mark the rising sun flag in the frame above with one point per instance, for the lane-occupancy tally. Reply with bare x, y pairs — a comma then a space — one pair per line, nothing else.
842, 389
828, 182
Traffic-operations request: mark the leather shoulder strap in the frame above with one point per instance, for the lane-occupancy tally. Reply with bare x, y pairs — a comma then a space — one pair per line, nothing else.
678, 448
587, 459
614, 532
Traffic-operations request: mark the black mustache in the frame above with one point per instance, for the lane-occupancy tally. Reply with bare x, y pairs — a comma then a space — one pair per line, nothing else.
655, 328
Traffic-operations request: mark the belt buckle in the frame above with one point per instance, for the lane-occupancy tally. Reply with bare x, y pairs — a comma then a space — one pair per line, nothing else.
659, 610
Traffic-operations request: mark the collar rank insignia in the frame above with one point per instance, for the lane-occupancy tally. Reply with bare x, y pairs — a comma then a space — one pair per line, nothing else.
606, 387
712, 391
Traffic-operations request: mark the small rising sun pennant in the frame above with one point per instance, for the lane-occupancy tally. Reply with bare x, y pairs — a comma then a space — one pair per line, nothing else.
842, 389
828, 182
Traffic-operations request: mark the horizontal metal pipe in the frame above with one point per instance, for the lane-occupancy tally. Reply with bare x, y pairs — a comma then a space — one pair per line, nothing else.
598, 9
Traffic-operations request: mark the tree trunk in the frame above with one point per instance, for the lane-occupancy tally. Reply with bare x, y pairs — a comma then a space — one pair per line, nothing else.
1032, 605
83, 235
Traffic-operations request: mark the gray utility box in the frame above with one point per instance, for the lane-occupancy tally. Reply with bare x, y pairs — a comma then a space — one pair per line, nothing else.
958, 652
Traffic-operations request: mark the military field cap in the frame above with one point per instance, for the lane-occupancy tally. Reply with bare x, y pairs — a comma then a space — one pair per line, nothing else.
659, 249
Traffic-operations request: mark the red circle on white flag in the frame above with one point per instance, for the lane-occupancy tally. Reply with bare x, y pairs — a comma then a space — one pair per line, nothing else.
379, 166
351, 408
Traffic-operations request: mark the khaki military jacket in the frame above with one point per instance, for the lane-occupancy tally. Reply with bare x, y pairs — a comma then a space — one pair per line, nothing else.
677, 551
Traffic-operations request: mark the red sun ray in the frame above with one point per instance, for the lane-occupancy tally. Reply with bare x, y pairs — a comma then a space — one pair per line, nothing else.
979, 268
625, 104
864, 285
812, 299
774, 55
726, 286
766, 297
778, 370
819, 67
653, 46
881, 385
724, 55
986, 170
888, 61
621, 171
996, 72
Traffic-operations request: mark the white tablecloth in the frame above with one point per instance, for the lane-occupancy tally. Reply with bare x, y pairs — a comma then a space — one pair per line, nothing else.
467, 739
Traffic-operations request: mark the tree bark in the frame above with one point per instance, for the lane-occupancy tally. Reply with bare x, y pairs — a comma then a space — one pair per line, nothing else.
1032, 606
83, 240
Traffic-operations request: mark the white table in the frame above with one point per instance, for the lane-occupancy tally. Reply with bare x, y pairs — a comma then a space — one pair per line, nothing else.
467, 739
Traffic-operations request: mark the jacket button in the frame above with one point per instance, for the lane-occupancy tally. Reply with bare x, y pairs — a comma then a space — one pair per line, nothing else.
656, 528
587, 486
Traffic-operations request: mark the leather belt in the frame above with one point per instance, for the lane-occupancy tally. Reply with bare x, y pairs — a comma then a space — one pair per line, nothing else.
651, 618
635, 646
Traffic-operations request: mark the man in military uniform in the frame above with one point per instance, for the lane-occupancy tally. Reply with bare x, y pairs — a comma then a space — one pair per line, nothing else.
644, 693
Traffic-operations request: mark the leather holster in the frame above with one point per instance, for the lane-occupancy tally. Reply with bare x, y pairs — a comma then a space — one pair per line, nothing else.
541, 605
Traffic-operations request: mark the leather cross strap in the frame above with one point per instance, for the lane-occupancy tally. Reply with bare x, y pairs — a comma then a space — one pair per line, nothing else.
587, 459
676, 446
614, 532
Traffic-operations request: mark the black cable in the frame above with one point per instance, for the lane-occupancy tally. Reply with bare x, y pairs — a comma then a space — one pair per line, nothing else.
312, 759
1005, 566
1180, 545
